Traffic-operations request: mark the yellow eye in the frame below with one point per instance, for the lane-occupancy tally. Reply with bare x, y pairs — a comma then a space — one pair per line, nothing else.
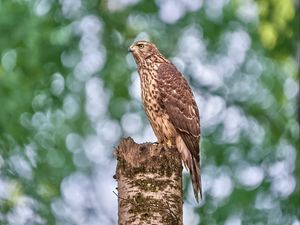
141, 46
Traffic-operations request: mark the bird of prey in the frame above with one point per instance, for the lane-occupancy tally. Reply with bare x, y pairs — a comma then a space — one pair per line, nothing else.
170, 107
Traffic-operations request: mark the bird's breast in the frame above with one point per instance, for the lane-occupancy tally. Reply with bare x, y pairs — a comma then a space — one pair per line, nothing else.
156, 113
150, 91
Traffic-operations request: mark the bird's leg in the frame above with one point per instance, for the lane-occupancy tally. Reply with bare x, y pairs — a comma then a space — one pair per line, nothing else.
167, 145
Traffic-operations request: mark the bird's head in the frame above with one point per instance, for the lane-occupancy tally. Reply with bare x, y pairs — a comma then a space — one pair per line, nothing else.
141, 50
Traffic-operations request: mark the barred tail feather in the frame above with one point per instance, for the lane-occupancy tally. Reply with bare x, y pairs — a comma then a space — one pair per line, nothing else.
192, 165
196, 179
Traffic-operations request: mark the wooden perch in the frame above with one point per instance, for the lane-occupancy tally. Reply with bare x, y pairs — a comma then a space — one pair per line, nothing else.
149, 184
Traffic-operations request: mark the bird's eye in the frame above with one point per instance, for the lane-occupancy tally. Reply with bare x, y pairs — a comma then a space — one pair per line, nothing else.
141, 46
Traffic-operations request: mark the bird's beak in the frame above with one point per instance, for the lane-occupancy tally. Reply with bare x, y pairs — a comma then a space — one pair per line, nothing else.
130, 49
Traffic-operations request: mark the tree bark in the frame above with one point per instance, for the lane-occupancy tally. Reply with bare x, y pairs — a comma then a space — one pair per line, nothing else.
149, 184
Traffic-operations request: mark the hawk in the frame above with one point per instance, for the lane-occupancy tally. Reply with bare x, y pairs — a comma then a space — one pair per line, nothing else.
170, 107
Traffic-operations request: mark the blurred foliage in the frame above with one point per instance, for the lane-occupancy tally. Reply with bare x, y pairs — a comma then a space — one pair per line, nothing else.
67, 94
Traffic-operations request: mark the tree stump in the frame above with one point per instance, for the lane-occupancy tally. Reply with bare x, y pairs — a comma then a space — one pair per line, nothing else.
149, 180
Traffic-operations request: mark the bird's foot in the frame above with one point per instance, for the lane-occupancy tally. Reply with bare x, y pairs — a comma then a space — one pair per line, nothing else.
169, 144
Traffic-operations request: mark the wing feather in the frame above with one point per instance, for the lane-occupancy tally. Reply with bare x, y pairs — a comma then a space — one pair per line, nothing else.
177, 98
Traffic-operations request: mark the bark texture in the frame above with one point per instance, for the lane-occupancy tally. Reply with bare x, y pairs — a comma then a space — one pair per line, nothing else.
149, 184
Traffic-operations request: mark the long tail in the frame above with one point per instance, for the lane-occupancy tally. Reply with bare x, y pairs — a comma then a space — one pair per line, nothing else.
196, 178
192, 164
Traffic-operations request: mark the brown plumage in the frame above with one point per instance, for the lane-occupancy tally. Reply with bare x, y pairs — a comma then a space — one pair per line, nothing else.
170, 106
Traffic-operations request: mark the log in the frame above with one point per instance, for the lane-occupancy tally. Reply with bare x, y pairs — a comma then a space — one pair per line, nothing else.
149, 178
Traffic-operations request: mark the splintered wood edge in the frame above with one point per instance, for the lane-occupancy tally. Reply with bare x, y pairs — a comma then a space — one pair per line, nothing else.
136, 154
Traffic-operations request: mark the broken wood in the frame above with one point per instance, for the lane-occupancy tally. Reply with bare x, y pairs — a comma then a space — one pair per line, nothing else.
149, 184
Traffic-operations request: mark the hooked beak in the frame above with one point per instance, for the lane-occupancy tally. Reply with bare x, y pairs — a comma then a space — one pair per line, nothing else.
130, 49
